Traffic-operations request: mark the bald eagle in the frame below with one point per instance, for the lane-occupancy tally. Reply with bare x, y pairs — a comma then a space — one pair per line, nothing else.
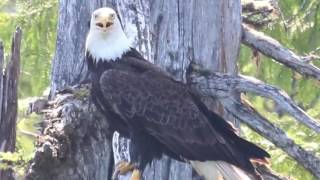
159, 114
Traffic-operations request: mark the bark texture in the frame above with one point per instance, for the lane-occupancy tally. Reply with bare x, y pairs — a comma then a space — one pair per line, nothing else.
9, 99
75, 143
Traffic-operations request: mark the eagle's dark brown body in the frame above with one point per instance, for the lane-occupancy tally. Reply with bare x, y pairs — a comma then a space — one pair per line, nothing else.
161, 115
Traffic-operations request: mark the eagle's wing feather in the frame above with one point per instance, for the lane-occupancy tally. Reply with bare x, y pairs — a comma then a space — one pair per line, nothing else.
148, 100
165, 109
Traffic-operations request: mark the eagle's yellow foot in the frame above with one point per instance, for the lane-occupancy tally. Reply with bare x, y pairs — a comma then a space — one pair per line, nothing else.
136, 175
122, 167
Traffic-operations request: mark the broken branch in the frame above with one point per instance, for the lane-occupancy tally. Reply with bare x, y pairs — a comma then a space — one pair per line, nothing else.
258, 123
273, 49
226, 83
214, 84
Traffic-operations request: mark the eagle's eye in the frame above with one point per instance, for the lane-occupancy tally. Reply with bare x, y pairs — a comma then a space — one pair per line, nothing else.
112, 15
99, 24
109, 24
95, 16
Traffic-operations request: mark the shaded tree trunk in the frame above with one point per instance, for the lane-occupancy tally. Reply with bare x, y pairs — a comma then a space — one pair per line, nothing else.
9, 100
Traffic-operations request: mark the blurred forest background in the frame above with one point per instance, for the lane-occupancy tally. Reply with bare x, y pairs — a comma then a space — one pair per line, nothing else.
296, 27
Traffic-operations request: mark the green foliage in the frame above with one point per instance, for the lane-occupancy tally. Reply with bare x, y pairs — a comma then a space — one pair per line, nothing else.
9, 157
15, 161
281, 162
38, 20
27, 128
26, 135
299, 31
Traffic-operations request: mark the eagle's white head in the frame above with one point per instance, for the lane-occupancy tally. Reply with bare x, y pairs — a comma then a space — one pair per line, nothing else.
106, 39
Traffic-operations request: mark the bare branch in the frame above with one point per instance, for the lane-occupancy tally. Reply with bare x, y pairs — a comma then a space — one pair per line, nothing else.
310, 57
273, 49
223, 85
257, 13
255, 121
280, 97
254, 6
240, 83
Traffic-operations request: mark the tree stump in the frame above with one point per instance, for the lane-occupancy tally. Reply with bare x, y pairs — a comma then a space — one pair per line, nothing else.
9, 99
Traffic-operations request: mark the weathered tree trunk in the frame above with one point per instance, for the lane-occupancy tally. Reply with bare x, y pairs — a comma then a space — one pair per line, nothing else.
9, 100
172, 34
75, 143
169, 33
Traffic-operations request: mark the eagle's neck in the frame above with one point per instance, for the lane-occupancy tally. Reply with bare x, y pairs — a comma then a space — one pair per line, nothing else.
108, 46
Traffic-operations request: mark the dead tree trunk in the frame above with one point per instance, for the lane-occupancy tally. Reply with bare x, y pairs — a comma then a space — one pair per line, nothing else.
169, 33
9, 100
172, 34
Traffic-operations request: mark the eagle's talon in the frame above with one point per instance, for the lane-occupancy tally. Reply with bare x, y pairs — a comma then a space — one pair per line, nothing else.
136, 175
122, 167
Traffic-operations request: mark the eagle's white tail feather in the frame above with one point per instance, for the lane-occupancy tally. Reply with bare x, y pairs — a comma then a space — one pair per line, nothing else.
218, 170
